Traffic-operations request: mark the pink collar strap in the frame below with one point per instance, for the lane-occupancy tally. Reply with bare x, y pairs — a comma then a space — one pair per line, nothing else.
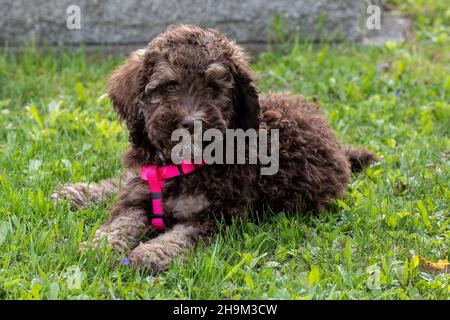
156, 177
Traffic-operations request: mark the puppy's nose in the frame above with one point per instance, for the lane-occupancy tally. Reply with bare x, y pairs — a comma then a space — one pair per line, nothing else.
187, 123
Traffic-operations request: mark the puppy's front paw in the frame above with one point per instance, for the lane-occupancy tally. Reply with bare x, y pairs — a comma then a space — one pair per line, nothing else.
149, 257
75, 193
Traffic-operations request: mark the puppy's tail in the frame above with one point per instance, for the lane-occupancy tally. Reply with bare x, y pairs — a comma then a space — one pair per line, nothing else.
360, 158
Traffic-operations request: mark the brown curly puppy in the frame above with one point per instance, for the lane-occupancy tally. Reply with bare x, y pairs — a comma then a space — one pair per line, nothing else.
188, 73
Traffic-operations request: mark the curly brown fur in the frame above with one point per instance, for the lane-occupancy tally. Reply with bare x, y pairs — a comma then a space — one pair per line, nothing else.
360, 158
82, 194
188, 73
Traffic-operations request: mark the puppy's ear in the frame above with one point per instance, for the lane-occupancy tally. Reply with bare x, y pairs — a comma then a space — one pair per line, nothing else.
125, 85
247, 109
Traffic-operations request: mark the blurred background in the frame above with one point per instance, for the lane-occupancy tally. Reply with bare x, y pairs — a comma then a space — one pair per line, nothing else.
120, 26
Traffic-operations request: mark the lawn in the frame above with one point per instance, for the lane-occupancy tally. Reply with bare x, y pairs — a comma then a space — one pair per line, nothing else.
57, 126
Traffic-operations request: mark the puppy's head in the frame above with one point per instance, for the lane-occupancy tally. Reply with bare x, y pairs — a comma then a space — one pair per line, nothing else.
186, 74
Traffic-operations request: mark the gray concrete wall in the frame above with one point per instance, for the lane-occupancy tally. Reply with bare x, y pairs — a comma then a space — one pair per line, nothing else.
135, 22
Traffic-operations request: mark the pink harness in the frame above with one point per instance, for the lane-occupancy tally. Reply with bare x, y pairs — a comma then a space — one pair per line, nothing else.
156, 177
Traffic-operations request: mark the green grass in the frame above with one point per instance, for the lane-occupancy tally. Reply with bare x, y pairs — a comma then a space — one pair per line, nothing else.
56, 127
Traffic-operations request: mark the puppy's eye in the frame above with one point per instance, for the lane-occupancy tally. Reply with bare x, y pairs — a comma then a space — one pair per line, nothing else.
211, 89
171, 86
